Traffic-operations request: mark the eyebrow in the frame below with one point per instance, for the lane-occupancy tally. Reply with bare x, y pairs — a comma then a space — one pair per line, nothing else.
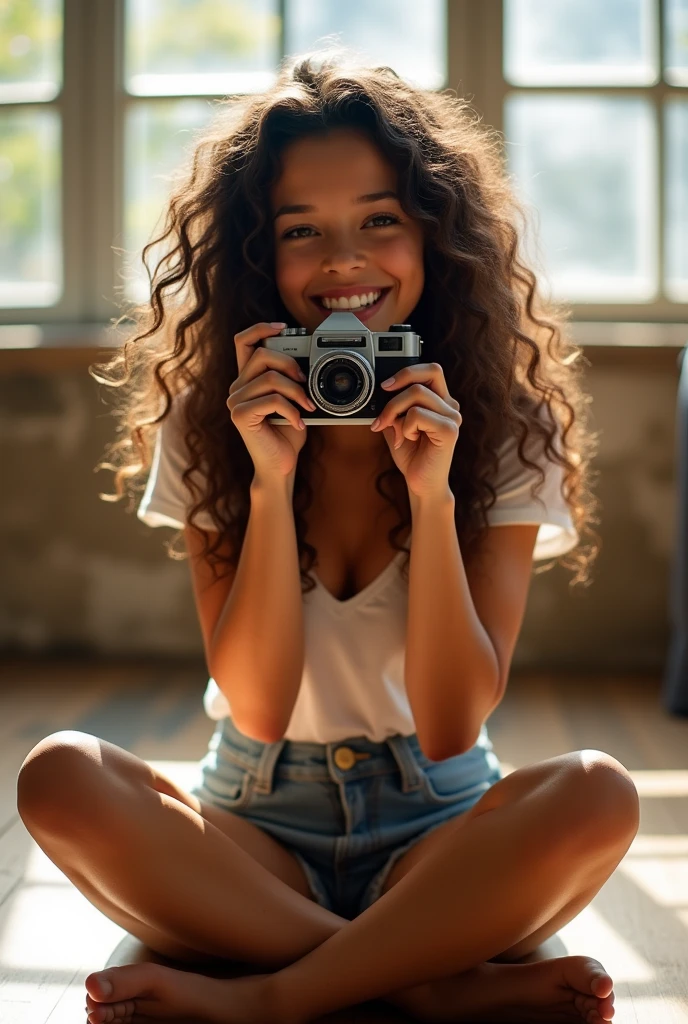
371, 197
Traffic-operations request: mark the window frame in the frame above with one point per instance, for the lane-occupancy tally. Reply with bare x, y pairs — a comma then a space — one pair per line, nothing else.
93, 102
484, 60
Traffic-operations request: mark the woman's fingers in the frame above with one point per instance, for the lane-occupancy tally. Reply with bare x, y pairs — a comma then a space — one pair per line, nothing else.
250, 414
270, 380
247, 340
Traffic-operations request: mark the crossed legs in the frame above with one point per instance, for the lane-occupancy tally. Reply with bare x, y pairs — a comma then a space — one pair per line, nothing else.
552, 836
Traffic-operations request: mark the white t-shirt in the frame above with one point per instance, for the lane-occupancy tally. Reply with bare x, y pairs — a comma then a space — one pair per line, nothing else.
353, 673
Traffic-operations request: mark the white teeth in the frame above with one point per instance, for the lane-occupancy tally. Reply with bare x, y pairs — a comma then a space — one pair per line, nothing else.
352, 301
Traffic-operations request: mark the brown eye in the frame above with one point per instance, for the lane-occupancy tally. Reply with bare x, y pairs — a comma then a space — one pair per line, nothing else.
377, 216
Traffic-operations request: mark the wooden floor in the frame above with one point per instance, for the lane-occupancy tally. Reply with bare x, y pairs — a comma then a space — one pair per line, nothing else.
51, 937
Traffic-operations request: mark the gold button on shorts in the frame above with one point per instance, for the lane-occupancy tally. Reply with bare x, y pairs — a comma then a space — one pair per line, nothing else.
347, 809
345, 757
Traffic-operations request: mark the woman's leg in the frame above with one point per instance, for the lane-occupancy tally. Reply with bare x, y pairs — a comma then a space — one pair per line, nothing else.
136, 846
499, 877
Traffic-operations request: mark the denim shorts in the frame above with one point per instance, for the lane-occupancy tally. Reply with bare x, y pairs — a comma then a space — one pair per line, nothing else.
346, 810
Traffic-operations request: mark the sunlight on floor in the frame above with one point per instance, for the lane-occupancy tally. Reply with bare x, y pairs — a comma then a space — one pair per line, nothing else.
50, 923
184, 773
664, 1010
589, 934
660, 783
663, 877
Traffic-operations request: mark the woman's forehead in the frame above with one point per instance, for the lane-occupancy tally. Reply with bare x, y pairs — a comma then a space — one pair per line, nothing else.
350, 166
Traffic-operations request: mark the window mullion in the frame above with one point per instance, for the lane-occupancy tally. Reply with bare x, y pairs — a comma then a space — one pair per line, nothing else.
658, 96
73, 214
474, 56
100, 155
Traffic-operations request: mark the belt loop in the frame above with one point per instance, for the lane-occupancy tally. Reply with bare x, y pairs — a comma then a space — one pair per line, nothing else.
266, 766
411, 777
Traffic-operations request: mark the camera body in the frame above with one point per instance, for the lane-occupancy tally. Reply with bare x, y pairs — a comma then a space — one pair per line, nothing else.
345, 364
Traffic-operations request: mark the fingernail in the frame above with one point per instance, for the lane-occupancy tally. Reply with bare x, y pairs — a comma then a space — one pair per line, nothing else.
390, 380
106, 986
302, 375
275, 323
375, 424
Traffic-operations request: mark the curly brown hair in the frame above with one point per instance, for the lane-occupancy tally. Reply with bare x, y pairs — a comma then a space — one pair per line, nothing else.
501, 346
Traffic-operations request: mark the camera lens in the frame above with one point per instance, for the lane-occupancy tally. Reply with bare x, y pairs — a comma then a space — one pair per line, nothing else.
342, 383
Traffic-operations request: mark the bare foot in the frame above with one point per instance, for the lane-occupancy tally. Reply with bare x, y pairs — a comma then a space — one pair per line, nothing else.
146, 992
564, 989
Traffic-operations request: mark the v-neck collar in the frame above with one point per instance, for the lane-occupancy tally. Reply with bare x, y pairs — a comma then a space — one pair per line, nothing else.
362, 595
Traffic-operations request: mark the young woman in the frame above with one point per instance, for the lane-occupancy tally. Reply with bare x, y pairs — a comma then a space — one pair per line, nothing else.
350, 834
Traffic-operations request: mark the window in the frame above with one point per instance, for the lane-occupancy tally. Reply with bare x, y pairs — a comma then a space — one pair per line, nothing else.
99, 104
30, 145
596, 125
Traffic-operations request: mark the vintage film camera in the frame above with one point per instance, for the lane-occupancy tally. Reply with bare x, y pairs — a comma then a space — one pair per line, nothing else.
345, 364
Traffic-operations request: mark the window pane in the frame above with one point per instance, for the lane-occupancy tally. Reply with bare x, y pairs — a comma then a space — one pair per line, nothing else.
30, 50
676, 41
587, 166
676, 253
408, 36
30, 212
197, 47
158, 141
580, 42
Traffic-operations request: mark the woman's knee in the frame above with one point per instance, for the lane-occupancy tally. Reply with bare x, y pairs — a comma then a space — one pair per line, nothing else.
64, 774
587, 797
599, 793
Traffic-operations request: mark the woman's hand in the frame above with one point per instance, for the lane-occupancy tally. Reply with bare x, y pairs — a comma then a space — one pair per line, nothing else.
267, 381
428, 431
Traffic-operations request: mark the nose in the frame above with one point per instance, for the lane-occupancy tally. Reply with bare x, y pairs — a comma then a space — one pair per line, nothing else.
342, 257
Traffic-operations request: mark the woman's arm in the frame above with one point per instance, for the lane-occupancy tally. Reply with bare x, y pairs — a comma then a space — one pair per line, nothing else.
452, 671
257, 650
463, 624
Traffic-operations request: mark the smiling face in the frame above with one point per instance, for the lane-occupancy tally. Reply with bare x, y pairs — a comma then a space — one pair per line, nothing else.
342, 245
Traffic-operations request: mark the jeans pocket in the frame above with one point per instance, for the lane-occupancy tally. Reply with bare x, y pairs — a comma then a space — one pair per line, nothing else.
463, 777
227, 782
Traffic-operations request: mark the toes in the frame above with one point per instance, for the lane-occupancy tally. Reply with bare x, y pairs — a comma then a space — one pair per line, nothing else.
122, 1013
593, 1009
119, 984
593, 1017
606, 1007
588, 1008
588, 976
599, 1015
99, 986
601, 983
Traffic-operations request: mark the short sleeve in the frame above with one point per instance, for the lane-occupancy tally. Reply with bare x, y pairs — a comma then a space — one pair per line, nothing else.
557, 534
166, 500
